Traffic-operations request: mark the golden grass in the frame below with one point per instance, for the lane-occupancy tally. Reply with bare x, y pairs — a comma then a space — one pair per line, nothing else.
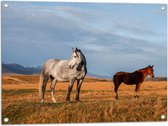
20, 102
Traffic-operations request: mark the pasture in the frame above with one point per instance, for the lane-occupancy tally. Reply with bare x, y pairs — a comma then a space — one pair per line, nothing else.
21, 104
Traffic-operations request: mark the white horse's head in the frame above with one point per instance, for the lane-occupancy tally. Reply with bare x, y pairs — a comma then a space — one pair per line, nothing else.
76, 58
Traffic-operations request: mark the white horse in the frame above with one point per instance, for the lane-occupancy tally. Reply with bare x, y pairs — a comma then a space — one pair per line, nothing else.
63, 70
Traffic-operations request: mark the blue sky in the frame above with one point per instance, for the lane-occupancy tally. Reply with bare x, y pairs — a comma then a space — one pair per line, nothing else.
113, 37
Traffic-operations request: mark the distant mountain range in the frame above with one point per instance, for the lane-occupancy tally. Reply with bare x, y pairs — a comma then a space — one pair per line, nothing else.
19, 69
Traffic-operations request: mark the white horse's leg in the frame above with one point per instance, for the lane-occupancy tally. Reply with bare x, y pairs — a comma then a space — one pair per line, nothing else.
42, 100
79, 83
52, 87
70, 89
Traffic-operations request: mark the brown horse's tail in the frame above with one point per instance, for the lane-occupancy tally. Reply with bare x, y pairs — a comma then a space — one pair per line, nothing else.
114, 81
117, 81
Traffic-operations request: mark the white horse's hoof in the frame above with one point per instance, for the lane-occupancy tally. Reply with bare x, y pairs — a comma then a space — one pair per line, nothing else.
53, 99
42, 101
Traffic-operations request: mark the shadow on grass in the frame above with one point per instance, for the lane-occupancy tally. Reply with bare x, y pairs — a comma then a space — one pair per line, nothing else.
12, 92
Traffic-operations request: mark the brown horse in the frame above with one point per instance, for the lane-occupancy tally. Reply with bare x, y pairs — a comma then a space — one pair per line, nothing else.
136, 77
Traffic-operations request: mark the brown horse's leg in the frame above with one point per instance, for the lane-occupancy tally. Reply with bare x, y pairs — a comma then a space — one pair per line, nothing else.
117, 84
137, 89
139, 85
116, 91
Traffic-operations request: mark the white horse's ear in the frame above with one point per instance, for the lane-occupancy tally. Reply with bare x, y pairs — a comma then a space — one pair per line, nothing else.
72, 49
75, 49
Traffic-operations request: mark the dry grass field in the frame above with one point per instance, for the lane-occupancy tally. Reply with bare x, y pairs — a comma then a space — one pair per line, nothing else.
20, 102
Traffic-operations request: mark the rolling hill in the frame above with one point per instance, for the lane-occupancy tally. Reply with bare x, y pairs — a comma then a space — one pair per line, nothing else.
19, 69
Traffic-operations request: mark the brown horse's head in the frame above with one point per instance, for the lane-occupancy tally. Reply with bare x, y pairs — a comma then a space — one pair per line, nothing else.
151, 71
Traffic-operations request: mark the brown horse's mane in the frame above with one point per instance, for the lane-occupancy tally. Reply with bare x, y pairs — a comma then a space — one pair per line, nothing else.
140, 69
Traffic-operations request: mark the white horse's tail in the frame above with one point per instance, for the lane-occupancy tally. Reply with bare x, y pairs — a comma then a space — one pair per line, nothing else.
42, 84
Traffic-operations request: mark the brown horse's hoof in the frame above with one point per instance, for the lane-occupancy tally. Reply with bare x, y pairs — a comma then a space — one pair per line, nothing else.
136, 96
116, 98
77, 99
